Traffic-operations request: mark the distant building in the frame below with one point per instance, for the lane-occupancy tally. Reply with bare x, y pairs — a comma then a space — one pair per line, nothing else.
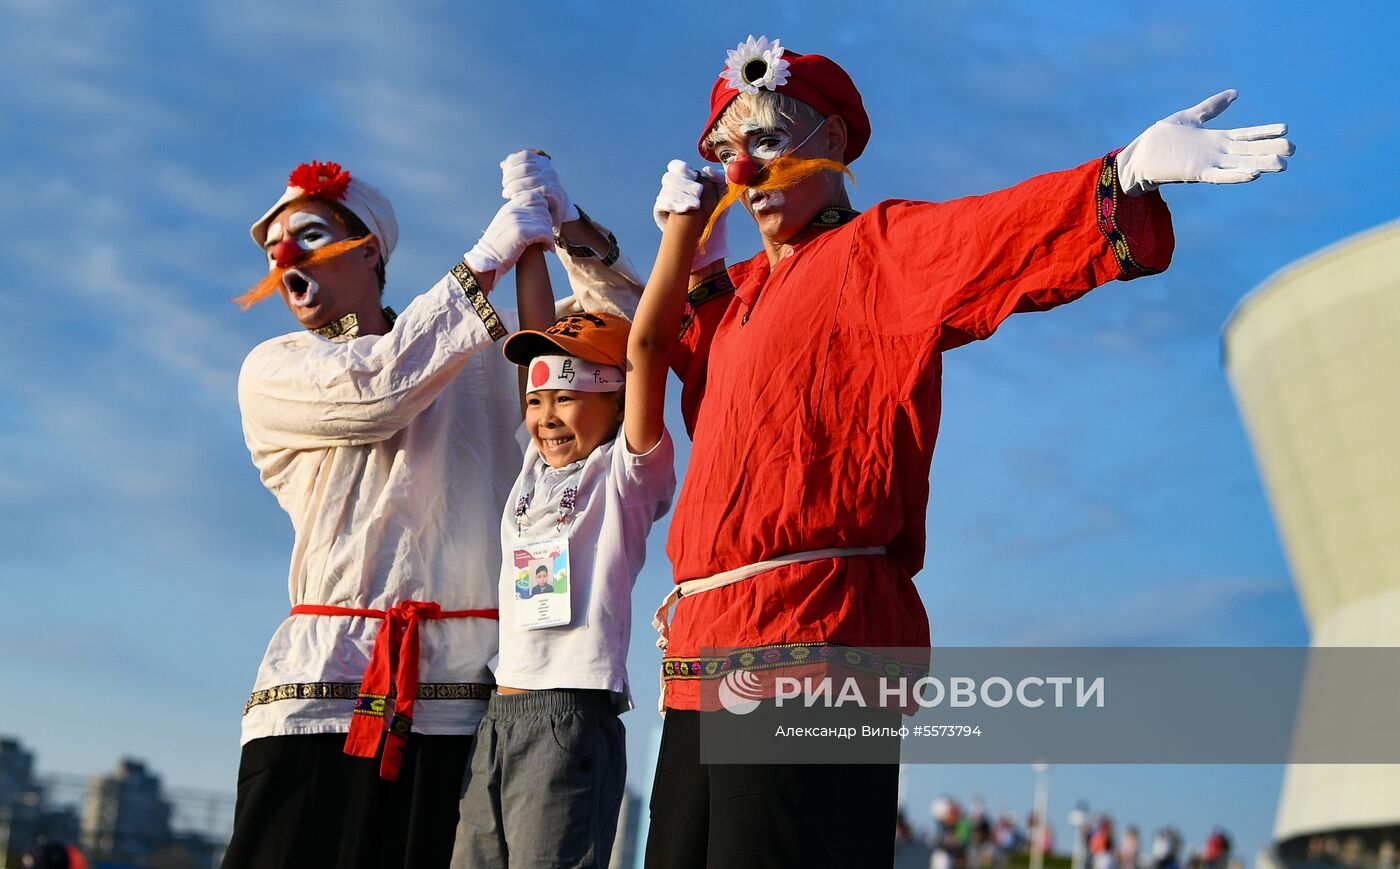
20, 800
1313, 356
127, 818
25, 813
124, 816
625, 844
16, 771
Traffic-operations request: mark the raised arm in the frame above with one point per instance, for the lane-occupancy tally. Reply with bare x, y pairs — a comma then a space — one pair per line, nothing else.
656, 327
681, 190
534, 294
534, 299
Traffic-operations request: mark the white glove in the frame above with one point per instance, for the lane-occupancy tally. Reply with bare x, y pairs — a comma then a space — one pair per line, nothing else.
1178, 149
680, 192
531, 170
521, 222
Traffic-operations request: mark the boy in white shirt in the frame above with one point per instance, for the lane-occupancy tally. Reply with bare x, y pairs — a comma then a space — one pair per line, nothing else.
549, 766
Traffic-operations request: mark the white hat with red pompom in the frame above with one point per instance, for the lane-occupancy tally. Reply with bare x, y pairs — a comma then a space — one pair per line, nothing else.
330, 182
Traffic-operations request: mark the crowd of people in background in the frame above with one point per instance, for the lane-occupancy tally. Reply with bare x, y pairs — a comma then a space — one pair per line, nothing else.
974, 838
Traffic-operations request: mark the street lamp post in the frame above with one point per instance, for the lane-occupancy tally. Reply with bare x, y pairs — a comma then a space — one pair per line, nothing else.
1078, 819
1041, 808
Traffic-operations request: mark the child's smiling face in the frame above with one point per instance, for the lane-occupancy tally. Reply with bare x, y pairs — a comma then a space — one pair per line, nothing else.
566, 425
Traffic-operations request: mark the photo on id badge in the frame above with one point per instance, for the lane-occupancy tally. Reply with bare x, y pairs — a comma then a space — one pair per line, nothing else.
542, 584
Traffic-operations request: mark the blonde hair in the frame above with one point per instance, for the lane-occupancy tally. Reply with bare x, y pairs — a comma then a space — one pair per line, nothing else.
766, 110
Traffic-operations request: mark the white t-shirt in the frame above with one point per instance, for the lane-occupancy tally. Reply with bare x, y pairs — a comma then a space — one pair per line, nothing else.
618, 496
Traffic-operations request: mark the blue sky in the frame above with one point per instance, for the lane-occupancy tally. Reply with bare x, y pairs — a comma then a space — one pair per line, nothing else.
1092, 483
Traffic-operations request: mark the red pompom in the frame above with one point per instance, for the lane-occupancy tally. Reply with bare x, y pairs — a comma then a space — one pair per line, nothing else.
326, 180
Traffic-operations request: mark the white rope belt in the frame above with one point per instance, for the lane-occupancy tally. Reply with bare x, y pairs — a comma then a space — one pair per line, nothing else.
662, 620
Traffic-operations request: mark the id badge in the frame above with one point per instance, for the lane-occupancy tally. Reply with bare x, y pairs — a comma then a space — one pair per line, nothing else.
541, 584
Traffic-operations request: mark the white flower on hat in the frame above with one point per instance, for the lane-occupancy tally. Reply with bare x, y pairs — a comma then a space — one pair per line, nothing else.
754, 64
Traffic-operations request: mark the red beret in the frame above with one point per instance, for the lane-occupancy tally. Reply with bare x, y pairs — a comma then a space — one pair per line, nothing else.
815, 80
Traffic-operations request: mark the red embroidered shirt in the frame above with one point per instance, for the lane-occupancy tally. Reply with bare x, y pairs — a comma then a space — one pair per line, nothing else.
812, 395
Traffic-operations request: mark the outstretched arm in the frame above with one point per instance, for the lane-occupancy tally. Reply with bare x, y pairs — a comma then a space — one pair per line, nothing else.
963, 267
657, 325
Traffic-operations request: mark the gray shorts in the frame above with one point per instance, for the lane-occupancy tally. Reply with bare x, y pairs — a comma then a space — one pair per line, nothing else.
545, 782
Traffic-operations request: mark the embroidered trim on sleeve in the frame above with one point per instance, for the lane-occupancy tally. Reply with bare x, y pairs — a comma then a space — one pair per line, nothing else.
1106, 209
489, 318
711, 287
583, 251
715, 285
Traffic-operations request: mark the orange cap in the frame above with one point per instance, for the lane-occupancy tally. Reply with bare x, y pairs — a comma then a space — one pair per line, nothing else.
593, 337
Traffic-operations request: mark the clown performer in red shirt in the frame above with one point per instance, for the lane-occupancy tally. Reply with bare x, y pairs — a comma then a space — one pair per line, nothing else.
800, 523
392, 442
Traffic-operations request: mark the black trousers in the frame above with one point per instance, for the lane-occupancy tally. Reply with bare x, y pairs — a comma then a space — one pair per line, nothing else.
758, 816
304, 803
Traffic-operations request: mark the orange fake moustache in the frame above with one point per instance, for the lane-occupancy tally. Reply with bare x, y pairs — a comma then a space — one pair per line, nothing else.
273, 282
786, 171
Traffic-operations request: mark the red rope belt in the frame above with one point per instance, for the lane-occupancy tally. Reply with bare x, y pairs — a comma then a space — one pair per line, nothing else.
396, 639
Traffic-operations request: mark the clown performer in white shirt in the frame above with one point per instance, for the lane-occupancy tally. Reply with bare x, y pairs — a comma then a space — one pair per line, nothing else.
392, 442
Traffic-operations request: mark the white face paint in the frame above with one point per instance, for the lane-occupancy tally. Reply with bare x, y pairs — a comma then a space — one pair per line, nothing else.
761, 144
766, 200
310, 231
764, 144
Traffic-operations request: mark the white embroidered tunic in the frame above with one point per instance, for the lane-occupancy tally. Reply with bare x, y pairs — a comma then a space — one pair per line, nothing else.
393, 456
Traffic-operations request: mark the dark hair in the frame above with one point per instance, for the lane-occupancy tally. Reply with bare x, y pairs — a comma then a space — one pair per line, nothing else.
543, 567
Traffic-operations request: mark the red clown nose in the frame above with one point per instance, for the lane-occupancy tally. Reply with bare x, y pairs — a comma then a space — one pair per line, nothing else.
741, 171
287, 253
